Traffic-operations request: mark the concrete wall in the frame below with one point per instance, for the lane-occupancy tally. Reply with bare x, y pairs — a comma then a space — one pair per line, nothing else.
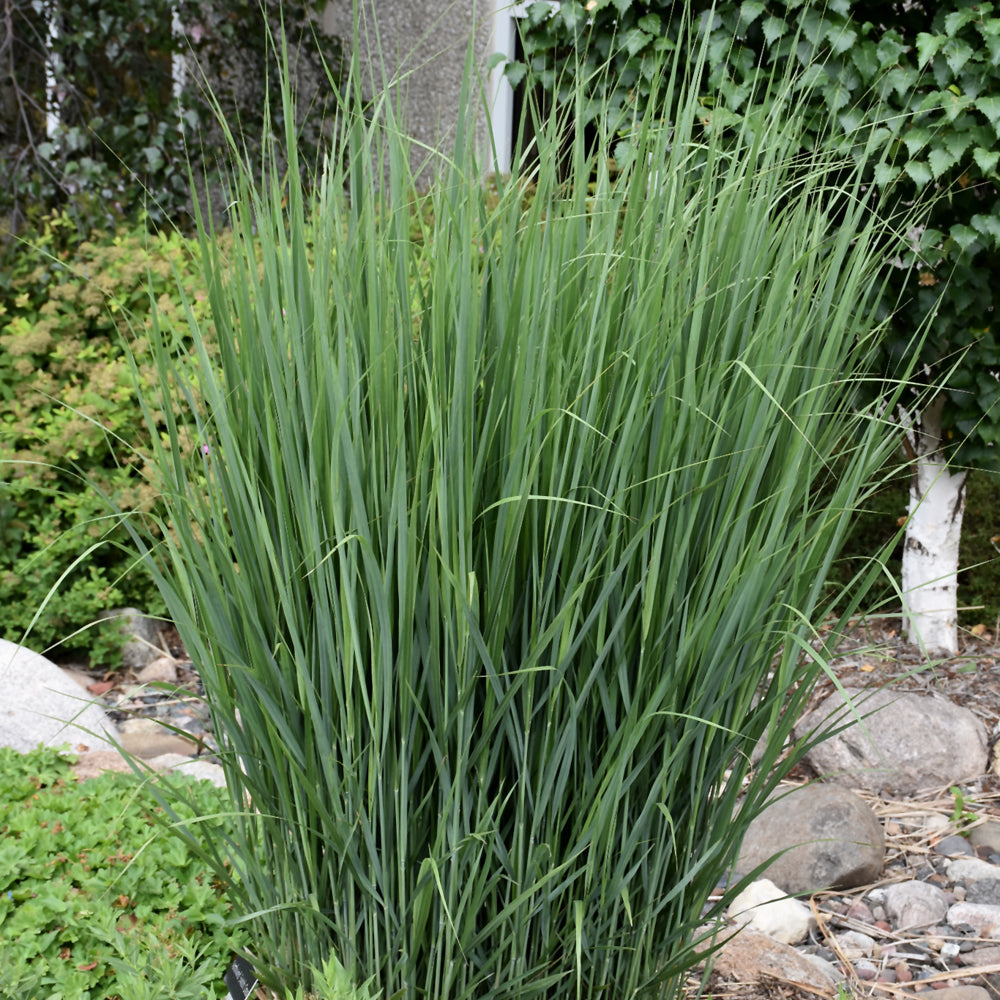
416, 50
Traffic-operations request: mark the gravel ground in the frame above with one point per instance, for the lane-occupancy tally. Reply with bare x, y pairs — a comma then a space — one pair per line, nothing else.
875, 655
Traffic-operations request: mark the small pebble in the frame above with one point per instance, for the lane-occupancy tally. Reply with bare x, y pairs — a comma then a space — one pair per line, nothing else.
950, 951
887, 976
958, 892
934, 822
854, 944
865, 970
954, 845
903, 973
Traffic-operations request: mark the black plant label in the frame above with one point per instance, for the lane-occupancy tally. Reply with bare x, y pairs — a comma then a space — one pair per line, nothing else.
240, 980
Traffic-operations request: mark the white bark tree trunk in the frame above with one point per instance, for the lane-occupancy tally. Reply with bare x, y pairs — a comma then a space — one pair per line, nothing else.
933, 530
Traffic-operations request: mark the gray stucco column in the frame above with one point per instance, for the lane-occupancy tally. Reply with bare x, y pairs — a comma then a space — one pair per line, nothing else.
417, 50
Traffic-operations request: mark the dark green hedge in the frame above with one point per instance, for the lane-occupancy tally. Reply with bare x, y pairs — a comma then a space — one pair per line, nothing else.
124, 143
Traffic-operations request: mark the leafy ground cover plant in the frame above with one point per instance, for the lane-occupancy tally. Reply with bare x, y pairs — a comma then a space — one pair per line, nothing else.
513, 538
97, 898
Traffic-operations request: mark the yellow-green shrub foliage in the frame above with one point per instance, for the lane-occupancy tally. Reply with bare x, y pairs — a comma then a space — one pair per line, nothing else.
70, 424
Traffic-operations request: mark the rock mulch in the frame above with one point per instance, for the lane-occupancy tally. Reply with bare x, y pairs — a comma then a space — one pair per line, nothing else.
922, 920
162, 719
931, 920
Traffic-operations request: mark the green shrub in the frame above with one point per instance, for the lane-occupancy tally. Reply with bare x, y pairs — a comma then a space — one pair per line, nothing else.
72, 434
97, 898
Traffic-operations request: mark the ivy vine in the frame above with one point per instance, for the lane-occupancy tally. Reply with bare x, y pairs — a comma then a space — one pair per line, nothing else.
920, 81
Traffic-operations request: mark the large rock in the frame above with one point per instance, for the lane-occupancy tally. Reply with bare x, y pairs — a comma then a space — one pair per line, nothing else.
141, 634
903, 742
751, 956
830, 839
40, 704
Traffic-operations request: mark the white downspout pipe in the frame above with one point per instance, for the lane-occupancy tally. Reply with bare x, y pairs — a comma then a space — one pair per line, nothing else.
501, 92
501, 112
178, 61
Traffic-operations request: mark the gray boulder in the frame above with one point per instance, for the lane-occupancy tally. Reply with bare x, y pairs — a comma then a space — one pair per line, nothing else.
141, 635
42, 705
903, 742
830, 837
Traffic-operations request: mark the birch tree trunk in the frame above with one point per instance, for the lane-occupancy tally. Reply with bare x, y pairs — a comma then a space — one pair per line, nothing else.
933, 530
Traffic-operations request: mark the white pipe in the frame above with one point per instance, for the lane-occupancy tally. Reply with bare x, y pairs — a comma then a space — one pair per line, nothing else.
502, 104
501, 111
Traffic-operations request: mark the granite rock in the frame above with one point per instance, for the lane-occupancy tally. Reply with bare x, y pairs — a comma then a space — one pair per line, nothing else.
985, 919
752, 955
915, 904
42, 705
142, 635
902, 742
161, 670
829, 838
764, 907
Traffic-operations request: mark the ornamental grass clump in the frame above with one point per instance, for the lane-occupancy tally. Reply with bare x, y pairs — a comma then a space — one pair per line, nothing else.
504, 538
